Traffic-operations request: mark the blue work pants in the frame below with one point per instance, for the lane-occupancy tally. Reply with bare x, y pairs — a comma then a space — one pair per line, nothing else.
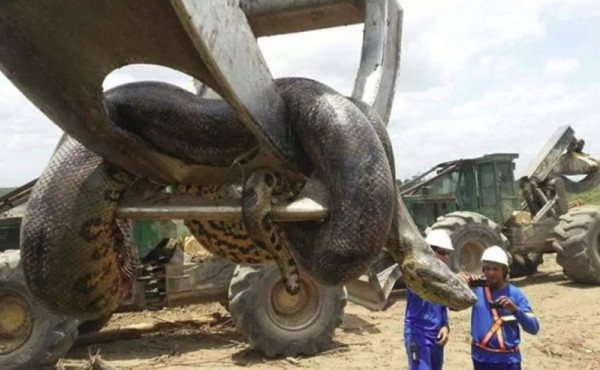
495, 366
422, 354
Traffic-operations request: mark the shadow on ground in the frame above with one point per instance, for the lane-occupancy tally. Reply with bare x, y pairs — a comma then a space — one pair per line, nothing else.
251, 356
552, 277
357, 325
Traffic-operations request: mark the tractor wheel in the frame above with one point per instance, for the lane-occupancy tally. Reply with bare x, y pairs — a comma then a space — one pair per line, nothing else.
471, 234
525, 265
30, 336
577, 244
280, 324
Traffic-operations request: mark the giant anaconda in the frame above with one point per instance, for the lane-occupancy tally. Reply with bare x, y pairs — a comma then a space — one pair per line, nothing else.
77, 257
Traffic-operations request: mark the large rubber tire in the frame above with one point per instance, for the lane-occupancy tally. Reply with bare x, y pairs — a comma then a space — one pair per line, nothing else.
525, 265
471, 233
279, 324
42, 337
577, 244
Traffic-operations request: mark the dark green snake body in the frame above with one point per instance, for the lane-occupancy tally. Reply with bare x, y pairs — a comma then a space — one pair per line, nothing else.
77, 256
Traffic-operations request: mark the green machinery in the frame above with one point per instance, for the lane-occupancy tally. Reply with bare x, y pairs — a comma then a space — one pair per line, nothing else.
479, 202
484, 185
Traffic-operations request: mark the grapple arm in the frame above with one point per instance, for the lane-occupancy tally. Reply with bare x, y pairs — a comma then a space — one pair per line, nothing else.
547, 183
59, 52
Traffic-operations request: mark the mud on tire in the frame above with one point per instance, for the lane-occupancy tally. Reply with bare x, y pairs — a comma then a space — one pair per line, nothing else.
279, 324
471, 233
30, 336
577, 244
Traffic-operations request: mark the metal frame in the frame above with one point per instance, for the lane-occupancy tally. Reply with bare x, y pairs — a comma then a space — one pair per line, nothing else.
380, 62
167, 207
540, 168
59, 52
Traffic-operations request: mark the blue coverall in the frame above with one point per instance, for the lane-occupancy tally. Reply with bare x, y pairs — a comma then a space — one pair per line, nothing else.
422, 323
482, 321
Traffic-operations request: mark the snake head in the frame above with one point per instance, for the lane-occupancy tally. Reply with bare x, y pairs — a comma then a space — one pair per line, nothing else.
433, 281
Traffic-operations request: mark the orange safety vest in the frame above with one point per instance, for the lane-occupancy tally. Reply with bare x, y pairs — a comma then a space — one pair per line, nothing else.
496, 329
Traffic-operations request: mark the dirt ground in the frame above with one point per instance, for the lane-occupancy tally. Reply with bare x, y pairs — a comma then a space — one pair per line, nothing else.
569, 337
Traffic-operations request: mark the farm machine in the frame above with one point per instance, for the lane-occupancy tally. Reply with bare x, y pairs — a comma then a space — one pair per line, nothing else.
480, 204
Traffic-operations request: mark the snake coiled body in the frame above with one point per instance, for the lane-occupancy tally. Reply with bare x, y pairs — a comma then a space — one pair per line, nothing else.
76, 255
349, 159
78, 259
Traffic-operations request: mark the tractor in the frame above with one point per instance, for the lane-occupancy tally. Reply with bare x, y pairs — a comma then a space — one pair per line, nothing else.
479, 203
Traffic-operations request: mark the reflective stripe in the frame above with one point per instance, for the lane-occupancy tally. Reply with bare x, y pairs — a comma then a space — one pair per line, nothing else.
513, 318
488, 349
491, 332
497, 327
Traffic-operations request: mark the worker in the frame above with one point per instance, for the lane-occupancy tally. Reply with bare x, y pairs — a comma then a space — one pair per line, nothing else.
495, 319
426, 327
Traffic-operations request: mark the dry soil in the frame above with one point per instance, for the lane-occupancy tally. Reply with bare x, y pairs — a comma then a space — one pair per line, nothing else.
569, 337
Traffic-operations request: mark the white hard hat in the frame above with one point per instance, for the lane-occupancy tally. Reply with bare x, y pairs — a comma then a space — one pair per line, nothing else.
495, 254
440, 239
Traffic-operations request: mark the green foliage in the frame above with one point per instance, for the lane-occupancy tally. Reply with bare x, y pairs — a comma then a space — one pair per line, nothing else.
589, 197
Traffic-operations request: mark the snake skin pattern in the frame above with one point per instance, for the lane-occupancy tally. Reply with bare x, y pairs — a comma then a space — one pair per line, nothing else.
258, 221
78, 258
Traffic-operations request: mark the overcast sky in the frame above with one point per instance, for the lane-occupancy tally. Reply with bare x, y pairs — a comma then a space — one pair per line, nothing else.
476, 77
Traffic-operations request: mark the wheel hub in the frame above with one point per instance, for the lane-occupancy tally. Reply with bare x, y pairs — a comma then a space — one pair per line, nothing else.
294, 312
15, 322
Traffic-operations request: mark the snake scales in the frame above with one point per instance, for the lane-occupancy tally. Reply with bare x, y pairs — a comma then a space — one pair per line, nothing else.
78, 258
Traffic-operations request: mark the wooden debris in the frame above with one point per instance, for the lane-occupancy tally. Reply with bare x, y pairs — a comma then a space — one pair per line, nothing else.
137, 331
97, 363
292, 360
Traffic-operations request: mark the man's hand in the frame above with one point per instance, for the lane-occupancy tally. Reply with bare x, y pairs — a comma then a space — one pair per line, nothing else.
443, 336
466, 277
508, 304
